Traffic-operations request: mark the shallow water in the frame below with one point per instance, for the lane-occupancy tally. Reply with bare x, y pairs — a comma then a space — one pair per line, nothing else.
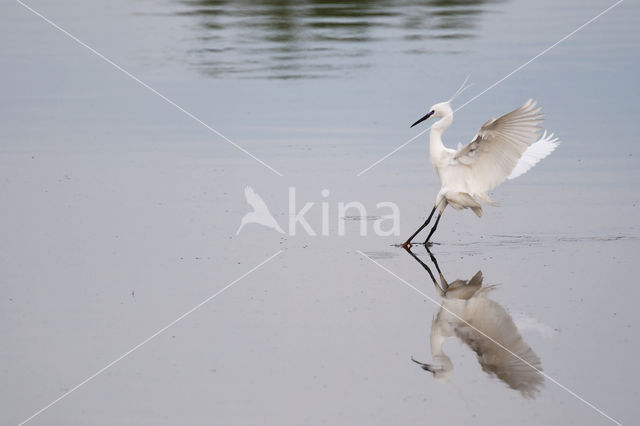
119, 213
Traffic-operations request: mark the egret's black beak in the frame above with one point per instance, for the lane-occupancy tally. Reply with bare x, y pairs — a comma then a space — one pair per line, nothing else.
429, 114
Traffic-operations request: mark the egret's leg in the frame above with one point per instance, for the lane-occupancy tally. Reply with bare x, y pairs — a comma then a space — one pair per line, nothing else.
426, 267
426, 222
435, 225
443, 282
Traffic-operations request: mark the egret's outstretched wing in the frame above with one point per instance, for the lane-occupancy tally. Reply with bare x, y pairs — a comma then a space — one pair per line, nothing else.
493, 154
534, 154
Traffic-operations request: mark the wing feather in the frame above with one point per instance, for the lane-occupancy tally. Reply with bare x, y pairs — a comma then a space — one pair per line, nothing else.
498, 146
536, 152
494, 321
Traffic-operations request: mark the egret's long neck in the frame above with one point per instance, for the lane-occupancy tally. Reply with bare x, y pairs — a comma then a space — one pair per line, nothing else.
440, 330
436, 147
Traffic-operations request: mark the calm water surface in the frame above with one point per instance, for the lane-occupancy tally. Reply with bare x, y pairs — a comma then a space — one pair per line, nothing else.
119, 213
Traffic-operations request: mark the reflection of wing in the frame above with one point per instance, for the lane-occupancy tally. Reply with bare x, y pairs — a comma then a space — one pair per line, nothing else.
461, 289
492, 155
490, 318
255, 201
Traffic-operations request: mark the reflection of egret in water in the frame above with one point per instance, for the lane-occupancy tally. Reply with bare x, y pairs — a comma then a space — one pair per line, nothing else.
315, 38
468, 313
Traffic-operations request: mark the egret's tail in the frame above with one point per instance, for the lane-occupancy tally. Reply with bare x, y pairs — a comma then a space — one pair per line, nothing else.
485, 199
477, 211
536, 152
463, 200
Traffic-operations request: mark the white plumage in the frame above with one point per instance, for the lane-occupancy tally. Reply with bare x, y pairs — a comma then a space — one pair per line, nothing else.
503, 148
486, 328
465, 318
534, 154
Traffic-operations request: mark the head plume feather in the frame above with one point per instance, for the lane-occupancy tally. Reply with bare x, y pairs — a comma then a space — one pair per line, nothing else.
462, 88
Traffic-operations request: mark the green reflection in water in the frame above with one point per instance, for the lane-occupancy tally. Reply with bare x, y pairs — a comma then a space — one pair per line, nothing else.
311, 39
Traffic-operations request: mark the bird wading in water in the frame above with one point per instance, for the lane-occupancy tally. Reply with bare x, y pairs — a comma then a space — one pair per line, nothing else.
503, 148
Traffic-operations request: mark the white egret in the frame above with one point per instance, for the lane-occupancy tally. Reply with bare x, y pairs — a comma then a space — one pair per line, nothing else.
503, 148
481, 323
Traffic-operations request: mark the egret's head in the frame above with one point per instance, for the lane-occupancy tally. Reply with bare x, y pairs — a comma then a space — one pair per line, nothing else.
440, 110
443, 109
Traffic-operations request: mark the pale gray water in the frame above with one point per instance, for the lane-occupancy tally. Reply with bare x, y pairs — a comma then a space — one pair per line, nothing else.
119, 213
